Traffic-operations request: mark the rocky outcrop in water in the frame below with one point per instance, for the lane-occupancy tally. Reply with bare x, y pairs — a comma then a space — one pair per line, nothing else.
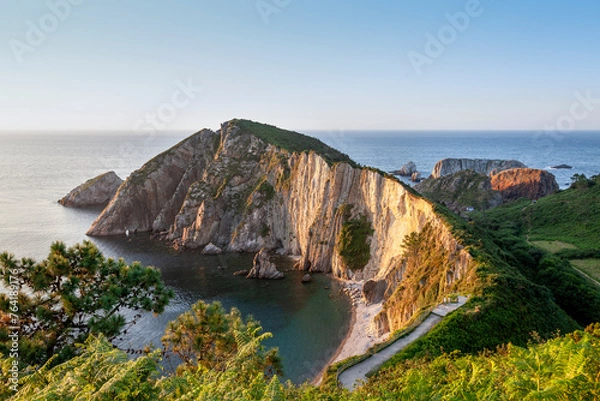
407, 170
263, 268
251, 186
97, 191
482, 166
524, 183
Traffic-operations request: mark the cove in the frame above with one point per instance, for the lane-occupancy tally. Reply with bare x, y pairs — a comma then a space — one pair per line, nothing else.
308, 321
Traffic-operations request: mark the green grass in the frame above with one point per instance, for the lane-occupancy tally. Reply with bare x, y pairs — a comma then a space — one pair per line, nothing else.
589, 266
553, 246
293, 141
571, 216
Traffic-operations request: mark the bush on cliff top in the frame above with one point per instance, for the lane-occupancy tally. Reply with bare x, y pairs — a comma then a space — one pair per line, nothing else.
293, 141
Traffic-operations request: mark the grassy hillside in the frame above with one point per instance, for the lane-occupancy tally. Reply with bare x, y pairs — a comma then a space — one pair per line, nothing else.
571, 217
293, 141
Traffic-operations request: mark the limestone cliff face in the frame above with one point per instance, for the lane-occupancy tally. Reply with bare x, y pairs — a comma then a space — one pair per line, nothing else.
481, 166
524, 183
241, 193
151, 197
97, 191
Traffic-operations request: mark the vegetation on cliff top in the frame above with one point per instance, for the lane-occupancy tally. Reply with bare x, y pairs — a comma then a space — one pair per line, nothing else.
293, 141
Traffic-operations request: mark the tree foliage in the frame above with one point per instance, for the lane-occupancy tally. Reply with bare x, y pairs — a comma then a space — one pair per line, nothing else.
71, 294
208, 337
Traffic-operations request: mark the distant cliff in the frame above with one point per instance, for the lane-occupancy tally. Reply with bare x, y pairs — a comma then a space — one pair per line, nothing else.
468, 189
97, 191
482, 166
251, 186
524, 183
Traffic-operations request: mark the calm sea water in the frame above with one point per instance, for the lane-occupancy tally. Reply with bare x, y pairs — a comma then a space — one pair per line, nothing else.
308, 321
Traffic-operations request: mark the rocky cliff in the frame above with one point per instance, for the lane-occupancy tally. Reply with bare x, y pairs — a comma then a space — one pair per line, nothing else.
461, 190
482, 166
251, 186
468, 189
524, 183
97, 191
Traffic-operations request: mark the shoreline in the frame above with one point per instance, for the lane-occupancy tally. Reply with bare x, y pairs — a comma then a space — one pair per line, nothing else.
359, 338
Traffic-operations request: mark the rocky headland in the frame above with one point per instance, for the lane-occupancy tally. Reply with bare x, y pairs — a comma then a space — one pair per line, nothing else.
250, 186
97, 191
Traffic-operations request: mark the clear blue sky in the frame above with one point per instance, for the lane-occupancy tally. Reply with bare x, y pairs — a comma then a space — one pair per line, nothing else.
331, 65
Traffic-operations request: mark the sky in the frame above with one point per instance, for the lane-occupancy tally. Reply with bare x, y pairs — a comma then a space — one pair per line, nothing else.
299, 64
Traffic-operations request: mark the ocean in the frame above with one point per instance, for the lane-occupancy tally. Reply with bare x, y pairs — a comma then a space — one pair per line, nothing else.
308, 321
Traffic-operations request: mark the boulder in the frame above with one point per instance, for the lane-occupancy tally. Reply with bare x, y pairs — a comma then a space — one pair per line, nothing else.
263, 268
374, 291
307, 278
416, 177
212, 249
407, 170
524, 183
482, 166
97, 191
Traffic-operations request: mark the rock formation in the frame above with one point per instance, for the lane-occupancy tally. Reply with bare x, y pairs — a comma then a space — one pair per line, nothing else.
97, 191
212, 249
263, 268
467, 188
461, 190
407, 170
563, 167
482, 166
251, 186
524, 183
416, 177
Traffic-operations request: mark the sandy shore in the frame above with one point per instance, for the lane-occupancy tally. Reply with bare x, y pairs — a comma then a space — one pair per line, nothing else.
360, 336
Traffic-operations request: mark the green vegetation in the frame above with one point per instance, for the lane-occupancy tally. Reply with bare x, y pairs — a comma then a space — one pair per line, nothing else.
73, 293
553, 246
461, 190
205, 336
293, 141
563, 368
590, 267
353, 243
570, 216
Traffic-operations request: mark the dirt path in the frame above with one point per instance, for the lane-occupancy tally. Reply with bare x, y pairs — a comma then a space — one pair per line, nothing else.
353, 376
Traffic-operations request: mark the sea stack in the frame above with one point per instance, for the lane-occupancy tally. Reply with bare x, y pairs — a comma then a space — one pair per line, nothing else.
97, 191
